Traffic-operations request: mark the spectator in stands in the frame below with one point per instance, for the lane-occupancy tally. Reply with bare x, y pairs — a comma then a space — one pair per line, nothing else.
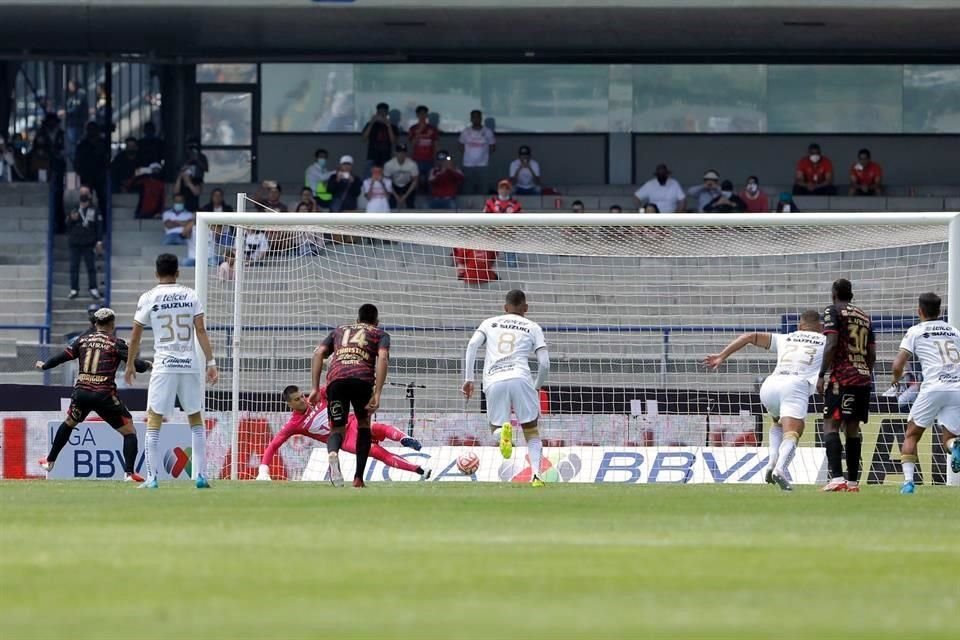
84, 235
269, 195
316, 177
227, 268
445, 182
148, 182
150, 148
650, 208
615, 208
786, 204
217, 202
75, 115
257, 247
663, 191
705, 193
380, 135
476, 143
46, 154
726, 201
754, 197
100, 113
377, 189
403, 174
866, 176
525, 173
344, 187
189, 182
423, 137
124, 167
814, 175
92, 160
221, 236
503, 202
307, 203
475, 266
577, 206
177, 222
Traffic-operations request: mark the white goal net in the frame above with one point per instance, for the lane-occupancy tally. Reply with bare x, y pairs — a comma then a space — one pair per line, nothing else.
630, 306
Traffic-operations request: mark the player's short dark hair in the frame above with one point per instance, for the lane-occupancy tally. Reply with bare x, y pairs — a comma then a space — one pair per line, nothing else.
289, 391
516, 297
843, 290
167, 265
930, 305
368, 314
810, 316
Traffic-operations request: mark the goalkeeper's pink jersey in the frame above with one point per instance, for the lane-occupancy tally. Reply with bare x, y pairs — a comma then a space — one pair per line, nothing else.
313, 420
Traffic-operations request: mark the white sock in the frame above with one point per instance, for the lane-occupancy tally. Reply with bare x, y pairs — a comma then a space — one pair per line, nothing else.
198, 440
496, 435
776, 437
152, 448
785, 456
264, 469
908, 469
535, 450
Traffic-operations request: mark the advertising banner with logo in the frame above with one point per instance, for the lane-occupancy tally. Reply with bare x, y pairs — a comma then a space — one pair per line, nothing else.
623, 465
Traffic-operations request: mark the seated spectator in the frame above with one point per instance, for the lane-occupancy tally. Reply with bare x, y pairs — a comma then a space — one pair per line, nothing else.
380, 135
227, 268
663, 191
445, 182
124, 167
403, 174
726, 201
525, 173
217, 203
503, 202
222, 236
91, 161
475, 266
316, 177
344, 187
616, 208
257, 247
754, 197
177, 222
576, 206
307, 203
150, 147
148, 182
706, 192
269, 195
377, 189
650, 208
814, 175
866, 176
786, 204
423, 138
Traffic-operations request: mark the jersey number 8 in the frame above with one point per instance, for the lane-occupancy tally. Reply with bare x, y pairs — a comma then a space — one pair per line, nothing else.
507, 343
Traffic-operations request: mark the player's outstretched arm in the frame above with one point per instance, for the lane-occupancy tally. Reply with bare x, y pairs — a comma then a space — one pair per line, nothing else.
133, 350
316, 370
141, 366
64, 356
761, 340
469, 360
200, 327
383, 365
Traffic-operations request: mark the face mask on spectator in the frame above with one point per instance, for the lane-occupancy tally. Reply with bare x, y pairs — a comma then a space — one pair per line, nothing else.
178, 207
814, 158
752, 187
321, 162
726, 194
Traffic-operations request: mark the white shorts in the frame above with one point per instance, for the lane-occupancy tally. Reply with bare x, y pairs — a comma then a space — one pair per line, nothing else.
785, 396
515, 393
165, 388
941, 405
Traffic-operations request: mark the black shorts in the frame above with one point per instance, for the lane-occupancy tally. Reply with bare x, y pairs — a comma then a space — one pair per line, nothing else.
105, 405
342, 394
847, 403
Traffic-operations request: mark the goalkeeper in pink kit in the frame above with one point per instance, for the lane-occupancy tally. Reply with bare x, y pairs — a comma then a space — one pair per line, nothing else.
311, 421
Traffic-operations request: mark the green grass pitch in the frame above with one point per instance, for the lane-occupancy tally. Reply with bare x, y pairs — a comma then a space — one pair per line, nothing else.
290, 560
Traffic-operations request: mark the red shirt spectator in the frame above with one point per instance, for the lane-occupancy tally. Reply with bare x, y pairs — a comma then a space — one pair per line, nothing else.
149, 184
475, 266
503, 202
866, 176
423, 138
445, 182
754, 197
814, 174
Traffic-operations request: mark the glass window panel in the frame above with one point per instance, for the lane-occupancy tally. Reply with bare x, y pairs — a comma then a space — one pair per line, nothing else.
835, 99
307, 97
931, 99
217, 73
720, 98
225, 118
228, 165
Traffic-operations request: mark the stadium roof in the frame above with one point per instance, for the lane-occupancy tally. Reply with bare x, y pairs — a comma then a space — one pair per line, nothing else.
529, 30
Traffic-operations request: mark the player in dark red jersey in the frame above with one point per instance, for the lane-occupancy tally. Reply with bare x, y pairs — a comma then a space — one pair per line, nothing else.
848, 360
100, 354
359, 358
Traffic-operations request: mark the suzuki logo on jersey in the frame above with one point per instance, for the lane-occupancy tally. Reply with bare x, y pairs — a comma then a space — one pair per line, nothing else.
177, 461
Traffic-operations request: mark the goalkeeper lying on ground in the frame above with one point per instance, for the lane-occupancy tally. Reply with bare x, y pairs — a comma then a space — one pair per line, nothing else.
311, 421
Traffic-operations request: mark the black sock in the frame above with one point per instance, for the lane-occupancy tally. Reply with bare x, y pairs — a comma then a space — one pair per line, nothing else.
834, 454
334, 442
59, 441
363, 451
853, 458
129, 452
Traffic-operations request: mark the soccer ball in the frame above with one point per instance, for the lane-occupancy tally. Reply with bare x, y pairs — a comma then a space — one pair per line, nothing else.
468, 463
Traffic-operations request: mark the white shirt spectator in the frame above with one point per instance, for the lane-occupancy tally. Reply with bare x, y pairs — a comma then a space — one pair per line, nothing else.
525, 177
476, 146
377, 193
257, 246
665, 196
401, 175
182, 217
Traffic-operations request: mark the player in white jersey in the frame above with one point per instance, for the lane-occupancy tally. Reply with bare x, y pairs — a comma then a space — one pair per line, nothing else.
786, 392
511, 340
175, 314
936, 345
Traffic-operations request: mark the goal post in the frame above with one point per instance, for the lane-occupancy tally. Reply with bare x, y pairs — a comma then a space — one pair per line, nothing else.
630, 304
